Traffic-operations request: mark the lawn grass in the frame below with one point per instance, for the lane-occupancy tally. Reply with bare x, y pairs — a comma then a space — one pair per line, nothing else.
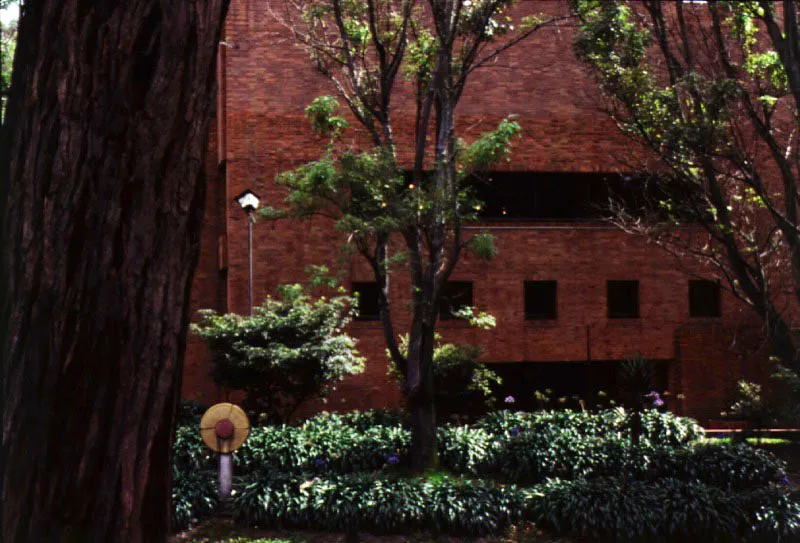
758, 441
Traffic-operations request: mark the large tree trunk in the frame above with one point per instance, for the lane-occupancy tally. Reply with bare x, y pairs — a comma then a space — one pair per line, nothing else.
102, 154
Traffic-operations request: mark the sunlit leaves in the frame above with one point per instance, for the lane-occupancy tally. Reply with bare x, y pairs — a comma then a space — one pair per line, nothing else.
321, 113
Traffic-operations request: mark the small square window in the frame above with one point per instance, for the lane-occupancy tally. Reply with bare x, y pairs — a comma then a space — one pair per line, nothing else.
540, 299
704, 298
367, 293
623, 299
455, 295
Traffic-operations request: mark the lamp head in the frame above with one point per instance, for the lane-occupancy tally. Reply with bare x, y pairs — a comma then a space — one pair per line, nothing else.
248, 200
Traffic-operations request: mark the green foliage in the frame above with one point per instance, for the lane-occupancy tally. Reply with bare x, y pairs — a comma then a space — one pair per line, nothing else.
461, 382
291, 349
379, 505
8, 45
482, 246
733, 467
194, 496
610, 509
320, 112
323, 448
189, 452
346, 471
490, 148
464, 449
664, 429
750, 405
636, 375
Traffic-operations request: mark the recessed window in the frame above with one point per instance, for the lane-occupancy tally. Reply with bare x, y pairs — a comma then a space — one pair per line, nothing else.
367, 294
623, 299
455, 296
704, 298
540, 299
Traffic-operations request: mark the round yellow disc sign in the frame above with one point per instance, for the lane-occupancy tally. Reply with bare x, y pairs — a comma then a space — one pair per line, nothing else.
224, 427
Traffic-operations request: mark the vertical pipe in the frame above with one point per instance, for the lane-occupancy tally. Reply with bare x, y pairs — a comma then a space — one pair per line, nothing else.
225, 477
250, 263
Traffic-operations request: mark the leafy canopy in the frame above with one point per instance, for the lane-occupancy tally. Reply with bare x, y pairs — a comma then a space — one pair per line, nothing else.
291, 349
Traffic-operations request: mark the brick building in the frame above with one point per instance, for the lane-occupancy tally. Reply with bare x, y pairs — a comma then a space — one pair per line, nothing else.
572, 295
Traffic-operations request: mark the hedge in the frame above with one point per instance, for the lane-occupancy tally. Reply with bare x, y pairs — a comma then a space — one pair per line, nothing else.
379, 505
603, 509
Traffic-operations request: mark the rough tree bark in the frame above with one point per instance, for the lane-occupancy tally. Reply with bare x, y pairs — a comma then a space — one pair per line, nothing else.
102, 161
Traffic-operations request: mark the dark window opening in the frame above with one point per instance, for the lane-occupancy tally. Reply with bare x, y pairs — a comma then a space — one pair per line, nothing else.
607, 382
540, 299
623, 299
559, 384
367, 294
704, 298
570, 195
455, 295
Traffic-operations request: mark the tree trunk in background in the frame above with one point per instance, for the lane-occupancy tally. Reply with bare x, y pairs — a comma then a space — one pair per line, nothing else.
419, 392
102, 160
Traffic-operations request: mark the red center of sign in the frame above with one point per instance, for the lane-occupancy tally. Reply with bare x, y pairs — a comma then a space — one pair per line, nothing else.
224, 429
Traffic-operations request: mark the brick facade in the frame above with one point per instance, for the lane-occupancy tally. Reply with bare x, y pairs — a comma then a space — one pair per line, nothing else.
266, 82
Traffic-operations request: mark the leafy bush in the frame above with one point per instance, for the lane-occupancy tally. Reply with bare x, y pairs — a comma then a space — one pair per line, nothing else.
772, 514
611, 509
386, 505
291, 349
662, 429
735, 467
194, 496
360, 420
464, 449
339, 449
533, 456
524, 447
189, 453
462, 384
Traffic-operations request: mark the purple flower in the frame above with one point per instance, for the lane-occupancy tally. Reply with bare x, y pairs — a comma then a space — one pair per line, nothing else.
515, 431
510, 399
394, 459
784, 481
319, 462
656, 398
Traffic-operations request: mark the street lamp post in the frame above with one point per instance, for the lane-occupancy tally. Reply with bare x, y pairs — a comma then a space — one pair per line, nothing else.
249, 202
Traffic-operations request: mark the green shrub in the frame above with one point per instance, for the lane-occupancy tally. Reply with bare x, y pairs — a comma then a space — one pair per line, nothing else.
659, 429
194, 496
735, 467
321, 448
189, 453
379, 505
533, 456
462, 384
465, 450
360, 420
611, 509
289, 350
773, 514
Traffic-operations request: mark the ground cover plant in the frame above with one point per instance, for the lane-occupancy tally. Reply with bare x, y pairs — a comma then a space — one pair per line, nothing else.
571, 473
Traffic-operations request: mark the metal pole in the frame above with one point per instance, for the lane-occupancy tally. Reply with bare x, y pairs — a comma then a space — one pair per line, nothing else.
225, 476
250, 258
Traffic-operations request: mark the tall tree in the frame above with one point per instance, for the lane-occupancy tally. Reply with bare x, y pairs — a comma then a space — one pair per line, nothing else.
102, 157
713, 92
364, 48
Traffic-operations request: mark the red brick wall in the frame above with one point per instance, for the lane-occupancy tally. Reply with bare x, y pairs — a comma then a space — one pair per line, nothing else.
267, 84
